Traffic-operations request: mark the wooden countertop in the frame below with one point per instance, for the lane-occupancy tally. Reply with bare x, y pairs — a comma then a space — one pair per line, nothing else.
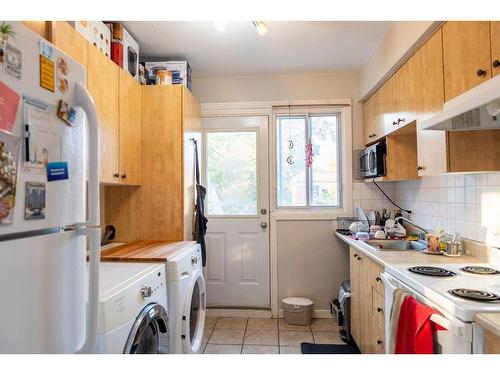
144, 251
489, 321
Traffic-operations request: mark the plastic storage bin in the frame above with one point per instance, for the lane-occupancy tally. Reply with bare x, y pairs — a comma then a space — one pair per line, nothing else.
297, 310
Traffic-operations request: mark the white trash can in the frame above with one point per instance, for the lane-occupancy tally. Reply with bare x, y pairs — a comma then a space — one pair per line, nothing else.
297, 310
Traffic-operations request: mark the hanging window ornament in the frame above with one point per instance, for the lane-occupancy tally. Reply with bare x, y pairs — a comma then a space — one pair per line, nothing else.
309, 153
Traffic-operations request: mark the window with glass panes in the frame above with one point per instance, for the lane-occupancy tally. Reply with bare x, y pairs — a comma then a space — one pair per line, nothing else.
308, 159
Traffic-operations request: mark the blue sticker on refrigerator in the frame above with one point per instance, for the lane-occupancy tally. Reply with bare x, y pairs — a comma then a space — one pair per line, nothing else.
57, 171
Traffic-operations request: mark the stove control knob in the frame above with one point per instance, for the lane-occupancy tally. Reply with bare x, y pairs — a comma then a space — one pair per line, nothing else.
146, 291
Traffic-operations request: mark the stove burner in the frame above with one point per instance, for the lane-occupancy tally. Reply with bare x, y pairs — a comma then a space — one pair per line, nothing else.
480, 270
475, 295
432, 271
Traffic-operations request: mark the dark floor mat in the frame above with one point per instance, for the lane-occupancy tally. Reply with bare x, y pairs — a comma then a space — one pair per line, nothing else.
308, 348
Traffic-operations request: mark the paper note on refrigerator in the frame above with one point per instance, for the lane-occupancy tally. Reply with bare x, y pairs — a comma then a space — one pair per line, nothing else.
9, 101
42, 139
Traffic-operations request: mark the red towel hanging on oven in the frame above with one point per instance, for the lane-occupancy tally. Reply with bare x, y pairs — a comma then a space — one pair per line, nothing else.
415, 329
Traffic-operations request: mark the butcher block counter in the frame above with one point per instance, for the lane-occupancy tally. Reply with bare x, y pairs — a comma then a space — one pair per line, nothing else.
144, 251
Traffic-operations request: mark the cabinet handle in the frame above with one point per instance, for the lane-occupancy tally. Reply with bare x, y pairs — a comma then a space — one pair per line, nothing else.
481, 72
356, 256
377, 279
374, 134
124, 176
394, 123
419, 168
496, 63
379, 342
401, 120
359, 258
379, 309
116, 175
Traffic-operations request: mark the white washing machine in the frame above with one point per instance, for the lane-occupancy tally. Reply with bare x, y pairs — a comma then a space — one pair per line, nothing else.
186, 300
132, 308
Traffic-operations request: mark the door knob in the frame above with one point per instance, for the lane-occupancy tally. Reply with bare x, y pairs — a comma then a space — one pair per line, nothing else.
124, 176
116, 175
496, 63
263, 211
263, 225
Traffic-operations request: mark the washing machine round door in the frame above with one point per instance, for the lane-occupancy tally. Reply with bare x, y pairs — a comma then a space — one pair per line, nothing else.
149, 333
193, 319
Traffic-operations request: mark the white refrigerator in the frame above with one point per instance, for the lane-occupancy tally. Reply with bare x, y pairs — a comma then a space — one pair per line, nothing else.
49, 199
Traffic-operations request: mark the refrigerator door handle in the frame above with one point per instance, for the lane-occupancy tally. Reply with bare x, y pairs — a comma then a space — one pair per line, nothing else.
94, 236
86, 102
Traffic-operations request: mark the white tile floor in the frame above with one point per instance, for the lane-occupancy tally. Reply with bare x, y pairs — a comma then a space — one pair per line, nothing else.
264, 335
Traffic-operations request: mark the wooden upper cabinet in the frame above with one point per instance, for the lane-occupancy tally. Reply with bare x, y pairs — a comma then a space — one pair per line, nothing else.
495, 47
129, 130
466, 56
426, 70
70, 41
369, 119
42, 28
102, 82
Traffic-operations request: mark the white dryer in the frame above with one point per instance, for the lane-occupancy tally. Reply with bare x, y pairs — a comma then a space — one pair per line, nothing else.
186, 300
132, 308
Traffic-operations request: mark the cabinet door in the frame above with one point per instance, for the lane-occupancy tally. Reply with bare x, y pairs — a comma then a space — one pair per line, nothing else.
495, 47
366, 304
466, 54
368, 119
355, 296
70, 41
130, 130
102, 82
427, 87
377, 328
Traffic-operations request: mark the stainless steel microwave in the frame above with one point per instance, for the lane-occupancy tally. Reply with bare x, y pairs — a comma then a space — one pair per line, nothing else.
372, 160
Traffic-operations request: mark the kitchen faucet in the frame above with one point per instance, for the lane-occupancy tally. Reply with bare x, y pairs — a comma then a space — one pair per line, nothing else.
421, 235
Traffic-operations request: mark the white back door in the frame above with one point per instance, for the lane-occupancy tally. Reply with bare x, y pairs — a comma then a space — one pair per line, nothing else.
235, 159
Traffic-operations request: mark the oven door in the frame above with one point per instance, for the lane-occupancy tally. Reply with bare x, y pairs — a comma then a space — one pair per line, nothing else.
455, 339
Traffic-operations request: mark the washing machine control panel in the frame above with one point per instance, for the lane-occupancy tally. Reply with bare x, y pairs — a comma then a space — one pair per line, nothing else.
125, 301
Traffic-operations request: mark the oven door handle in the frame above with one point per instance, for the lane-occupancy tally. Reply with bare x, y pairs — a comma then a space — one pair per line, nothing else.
387, 282
447, 324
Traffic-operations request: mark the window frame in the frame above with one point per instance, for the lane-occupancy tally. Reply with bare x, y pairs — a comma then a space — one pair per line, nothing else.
344, 159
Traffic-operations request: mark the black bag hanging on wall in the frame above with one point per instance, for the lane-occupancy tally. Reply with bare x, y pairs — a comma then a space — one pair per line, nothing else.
200, 225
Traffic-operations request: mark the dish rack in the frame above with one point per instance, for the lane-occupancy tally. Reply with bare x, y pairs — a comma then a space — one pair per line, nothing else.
345, 222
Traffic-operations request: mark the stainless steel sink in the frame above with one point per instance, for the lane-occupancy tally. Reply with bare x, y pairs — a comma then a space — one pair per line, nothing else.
396, 245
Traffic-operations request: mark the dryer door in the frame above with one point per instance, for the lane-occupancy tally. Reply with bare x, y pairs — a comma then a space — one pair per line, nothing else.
193, 319
149, 332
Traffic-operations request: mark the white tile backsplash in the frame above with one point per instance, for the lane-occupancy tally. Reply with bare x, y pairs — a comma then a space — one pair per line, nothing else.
453, 201
467, 203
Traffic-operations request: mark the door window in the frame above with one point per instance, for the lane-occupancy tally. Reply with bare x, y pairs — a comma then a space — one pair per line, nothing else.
231, 173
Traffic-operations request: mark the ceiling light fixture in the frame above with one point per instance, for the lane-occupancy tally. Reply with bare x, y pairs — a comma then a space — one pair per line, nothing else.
220, 25
261, 27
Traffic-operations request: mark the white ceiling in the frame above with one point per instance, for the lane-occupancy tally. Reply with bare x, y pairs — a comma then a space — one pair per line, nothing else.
288, 47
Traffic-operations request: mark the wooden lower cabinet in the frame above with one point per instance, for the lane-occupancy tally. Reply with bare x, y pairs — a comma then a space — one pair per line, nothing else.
367, 303
491, 343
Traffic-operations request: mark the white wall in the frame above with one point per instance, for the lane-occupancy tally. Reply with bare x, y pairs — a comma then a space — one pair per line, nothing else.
311, 261
339, 85
397, 41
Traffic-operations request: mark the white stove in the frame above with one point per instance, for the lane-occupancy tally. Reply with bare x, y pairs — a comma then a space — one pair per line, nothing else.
438, 289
